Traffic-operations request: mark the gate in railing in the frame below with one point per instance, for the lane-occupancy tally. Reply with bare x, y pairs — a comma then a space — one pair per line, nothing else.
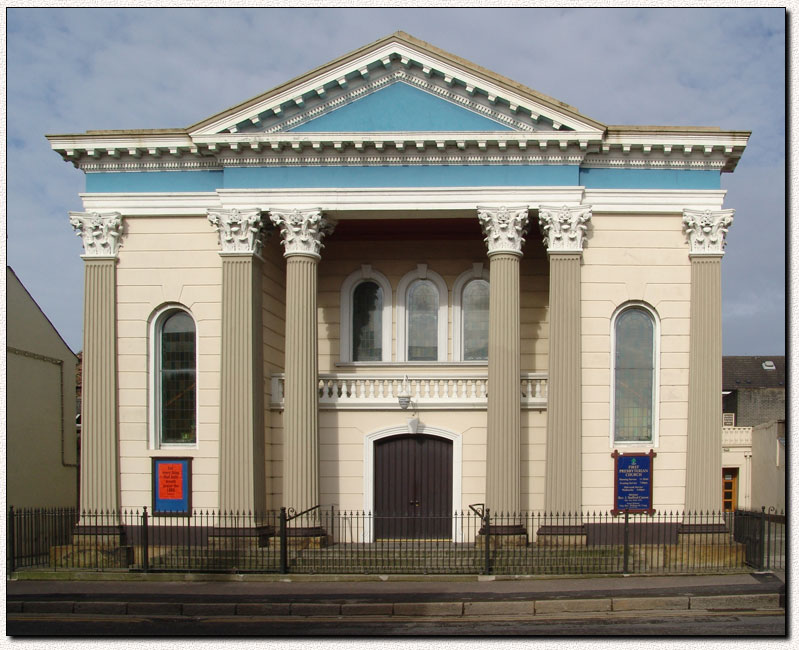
763, 536
328, 540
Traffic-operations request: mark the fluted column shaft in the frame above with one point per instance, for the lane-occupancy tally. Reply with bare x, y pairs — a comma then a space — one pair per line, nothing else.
503, 482
241, 447
99, 468
300, 423
564, 403
703, 463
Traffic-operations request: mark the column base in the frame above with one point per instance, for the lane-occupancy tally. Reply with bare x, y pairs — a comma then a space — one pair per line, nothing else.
307, 537
503, 536
240, 537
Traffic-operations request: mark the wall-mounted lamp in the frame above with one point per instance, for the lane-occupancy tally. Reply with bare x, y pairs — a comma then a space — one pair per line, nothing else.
404, 396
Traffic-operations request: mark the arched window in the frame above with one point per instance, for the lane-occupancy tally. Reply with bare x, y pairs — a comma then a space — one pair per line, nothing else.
474, 320
365, 333
634, 375
422, 306
470, 299
174, 380
422, 314
367, 322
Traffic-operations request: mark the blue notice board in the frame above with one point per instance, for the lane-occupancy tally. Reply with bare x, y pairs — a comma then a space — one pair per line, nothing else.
632, 482
172, 486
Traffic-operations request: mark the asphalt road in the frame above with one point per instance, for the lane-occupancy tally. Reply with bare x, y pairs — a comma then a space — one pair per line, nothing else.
649, 624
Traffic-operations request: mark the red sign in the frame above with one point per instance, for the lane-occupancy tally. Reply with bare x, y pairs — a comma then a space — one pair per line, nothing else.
170, 481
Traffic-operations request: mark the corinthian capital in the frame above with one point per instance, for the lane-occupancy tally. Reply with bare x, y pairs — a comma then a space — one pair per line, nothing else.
706, 230
564, 227
100, 232
240, 231
504, 228
302, 230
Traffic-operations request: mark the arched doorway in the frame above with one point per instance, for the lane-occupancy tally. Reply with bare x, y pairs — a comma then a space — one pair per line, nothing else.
413, 481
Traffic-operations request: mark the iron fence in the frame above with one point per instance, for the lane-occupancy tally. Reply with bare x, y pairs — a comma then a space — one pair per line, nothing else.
332, 541
763, 536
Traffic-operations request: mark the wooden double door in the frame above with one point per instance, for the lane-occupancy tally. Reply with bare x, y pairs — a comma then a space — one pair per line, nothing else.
413, 487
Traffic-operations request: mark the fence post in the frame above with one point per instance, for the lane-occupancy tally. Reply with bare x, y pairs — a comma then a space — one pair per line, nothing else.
626, 541
12, 542
487, 533
762, 539
145, 545
284, 559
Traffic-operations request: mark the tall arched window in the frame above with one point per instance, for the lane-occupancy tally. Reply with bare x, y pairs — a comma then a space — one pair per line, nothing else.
174, 378
634, 375
474, 320
367, 322
365, 328
422, 315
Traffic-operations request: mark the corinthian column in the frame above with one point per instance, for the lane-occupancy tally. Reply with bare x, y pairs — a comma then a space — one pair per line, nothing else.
242, 486
564, 234
706, 232
504, 229
99, 458
302, 232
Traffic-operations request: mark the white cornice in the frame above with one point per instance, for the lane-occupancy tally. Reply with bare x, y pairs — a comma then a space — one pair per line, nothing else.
652, 201
407, 56
409, 203
99, 153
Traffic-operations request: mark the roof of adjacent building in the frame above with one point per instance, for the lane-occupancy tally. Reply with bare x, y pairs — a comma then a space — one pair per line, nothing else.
749, 372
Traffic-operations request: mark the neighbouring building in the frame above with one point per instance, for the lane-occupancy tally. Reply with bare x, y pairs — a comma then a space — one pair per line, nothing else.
753, 434
41, 444
401, 283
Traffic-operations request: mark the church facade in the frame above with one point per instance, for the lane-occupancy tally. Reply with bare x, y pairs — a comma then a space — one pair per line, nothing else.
401, 282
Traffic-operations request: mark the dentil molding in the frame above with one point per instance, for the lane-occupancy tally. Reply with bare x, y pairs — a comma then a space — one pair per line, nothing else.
504, 228
564, 227
302, 230
240, 231
100, 232
706, 230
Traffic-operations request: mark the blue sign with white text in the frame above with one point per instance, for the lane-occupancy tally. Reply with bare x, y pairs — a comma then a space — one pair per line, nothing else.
634, 483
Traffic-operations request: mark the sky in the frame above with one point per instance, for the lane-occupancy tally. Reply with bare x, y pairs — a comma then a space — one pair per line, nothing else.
71, 70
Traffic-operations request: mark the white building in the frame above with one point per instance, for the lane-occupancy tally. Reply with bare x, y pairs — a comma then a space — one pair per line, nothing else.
264, 286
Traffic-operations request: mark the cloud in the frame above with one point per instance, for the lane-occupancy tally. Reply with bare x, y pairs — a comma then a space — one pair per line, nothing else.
70, 70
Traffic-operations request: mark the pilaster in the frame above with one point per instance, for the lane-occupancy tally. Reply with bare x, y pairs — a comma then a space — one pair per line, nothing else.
706, 231
302, 232
99, 466
242, 485
504, 229
564, 234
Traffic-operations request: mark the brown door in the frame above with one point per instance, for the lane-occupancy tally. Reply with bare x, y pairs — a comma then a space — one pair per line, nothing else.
729, 488
413, 487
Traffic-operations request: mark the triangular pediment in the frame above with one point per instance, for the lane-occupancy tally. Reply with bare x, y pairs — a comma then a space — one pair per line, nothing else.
400, 106
398, 84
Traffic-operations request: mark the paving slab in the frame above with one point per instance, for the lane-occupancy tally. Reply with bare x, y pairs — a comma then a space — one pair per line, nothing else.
650, 603
100, 607
428, 609
49, 607
209, 609
572, 605
315, 609
739, 601
499, 608
263, 609
367, 609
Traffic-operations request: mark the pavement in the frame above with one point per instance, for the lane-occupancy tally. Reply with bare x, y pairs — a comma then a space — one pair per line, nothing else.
195, 595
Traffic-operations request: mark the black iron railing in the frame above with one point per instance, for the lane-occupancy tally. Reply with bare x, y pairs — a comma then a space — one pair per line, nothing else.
332, 541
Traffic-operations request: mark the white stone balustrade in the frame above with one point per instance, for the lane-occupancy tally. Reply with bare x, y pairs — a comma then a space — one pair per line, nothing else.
736, 436
381, 392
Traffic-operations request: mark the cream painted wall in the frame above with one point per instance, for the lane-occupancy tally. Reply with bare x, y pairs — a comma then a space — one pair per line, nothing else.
396, 258
167, 260
341, 454
632, 257
40, 407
